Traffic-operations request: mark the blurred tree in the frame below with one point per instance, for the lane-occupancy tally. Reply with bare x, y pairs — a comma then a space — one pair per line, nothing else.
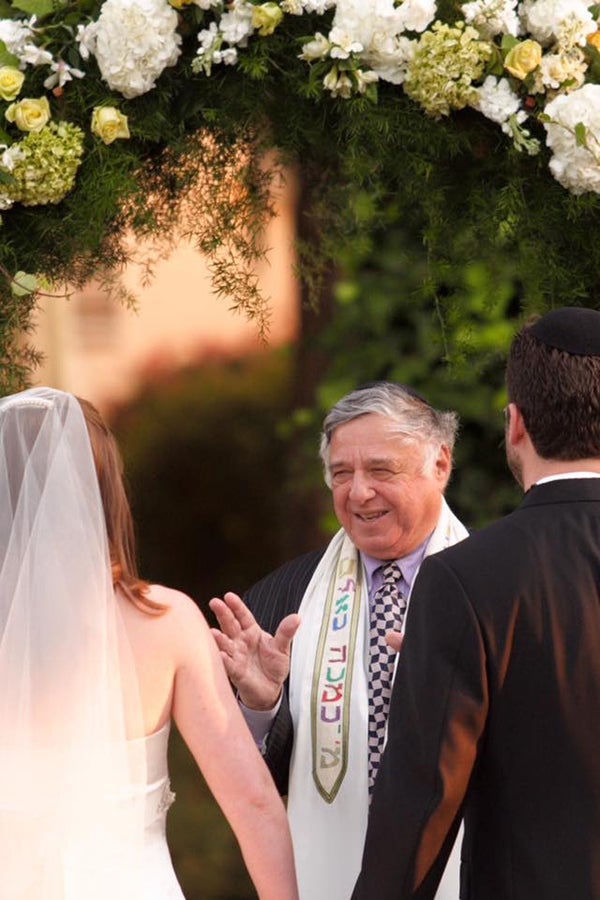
377, 331
205, 456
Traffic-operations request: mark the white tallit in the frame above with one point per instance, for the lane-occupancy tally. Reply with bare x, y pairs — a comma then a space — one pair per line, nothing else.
328, 788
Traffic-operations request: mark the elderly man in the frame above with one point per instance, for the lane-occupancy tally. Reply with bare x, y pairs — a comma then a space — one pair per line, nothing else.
387, 456
496, 706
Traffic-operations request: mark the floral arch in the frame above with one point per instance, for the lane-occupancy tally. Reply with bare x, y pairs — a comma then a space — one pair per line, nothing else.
477, 125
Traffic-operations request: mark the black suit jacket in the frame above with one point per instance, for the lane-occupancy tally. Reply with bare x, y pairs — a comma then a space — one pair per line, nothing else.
271, 600
496, 713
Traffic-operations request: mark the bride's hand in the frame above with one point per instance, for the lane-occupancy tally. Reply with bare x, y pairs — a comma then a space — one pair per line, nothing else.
256, 662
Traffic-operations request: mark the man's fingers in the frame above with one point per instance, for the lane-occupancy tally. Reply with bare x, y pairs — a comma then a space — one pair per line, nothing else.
222, 641
394, 640
232, 614
284, 635
228, 623
239, 610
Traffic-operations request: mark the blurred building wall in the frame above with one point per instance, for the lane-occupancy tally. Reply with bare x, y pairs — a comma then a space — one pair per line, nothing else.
104, 351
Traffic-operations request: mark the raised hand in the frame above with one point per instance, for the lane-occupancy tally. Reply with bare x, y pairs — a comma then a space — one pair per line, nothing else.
256, 662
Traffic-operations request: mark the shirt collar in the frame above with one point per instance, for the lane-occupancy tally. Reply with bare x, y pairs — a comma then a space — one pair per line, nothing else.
562, 476
409, 564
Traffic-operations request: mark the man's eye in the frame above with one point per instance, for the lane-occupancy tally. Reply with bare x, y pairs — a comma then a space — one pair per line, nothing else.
339, 476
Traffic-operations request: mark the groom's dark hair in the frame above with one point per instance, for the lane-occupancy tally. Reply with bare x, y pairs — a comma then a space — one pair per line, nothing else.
557, 391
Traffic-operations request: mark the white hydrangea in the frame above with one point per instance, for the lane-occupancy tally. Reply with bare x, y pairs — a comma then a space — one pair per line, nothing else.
564, 21
343, 44
134, 41
492, 17
376, 27
497, 101
575, 165
415, 15
390, 61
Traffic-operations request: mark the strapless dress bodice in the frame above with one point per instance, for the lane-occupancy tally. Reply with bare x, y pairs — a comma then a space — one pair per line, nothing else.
159, 879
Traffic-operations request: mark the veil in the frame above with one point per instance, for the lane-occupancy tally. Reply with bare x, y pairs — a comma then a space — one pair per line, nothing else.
71, 785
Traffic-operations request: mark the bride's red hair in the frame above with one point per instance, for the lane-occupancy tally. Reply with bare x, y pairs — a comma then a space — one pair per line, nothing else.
117, 512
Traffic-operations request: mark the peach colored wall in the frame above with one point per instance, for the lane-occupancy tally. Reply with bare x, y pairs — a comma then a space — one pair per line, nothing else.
103, 351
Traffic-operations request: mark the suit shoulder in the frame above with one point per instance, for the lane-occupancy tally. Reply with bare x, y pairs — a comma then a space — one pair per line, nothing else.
492, 542
281, 591
294, 569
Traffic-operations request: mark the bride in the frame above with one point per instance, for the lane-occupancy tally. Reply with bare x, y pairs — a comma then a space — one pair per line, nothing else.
94, 663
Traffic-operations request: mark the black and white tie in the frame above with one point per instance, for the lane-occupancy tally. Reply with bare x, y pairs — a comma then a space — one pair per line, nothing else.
388, 606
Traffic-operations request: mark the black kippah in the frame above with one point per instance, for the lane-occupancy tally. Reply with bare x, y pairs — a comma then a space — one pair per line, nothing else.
405, 387
574, 329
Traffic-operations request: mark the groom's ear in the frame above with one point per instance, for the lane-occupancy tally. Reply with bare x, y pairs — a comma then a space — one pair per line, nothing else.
515, 426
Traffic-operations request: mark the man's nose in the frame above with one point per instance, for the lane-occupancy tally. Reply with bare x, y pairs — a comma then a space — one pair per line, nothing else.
361, 487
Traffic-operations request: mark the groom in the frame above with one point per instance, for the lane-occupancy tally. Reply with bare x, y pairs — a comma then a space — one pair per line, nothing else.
496, 706
387, 457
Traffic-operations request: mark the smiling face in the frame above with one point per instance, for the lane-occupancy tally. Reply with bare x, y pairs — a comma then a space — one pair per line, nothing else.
381, 496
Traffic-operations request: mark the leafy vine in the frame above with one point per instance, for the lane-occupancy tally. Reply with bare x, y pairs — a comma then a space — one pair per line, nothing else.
473, 126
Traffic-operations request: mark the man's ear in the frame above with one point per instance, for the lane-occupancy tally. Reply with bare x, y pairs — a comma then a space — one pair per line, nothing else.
443, 465
515, 428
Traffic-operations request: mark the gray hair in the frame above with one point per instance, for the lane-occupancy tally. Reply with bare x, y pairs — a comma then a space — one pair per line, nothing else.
411, 416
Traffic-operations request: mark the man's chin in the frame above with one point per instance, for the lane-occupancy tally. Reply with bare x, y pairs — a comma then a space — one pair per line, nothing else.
370, 544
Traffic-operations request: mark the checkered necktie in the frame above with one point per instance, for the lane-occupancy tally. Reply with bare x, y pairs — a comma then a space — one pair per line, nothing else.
387, 612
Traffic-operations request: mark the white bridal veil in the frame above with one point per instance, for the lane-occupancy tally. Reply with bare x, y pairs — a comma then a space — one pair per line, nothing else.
71, 787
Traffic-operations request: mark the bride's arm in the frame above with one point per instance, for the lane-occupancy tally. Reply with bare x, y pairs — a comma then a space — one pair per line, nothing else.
210, 722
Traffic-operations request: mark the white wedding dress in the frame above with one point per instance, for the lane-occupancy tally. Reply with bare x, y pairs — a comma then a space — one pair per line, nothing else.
158, 876
82, 808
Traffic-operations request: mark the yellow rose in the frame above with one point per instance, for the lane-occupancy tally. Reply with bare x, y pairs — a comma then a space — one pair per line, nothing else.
179, 4
29, 114
594, 39
266, 18
523, 58
109, 124
11, 82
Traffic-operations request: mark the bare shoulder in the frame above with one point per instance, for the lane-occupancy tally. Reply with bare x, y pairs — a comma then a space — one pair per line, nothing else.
173, 599
182, 613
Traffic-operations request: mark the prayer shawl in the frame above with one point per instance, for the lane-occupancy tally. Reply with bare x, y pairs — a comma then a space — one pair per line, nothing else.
328, 789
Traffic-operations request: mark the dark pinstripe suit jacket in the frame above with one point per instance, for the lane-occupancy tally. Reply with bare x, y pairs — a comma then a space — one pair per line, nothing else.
271, 600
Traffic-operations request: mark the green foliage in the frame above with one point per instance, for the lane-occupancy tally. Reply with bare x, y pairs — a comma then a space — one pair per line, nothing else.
208, 443
193, 166
456, 359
